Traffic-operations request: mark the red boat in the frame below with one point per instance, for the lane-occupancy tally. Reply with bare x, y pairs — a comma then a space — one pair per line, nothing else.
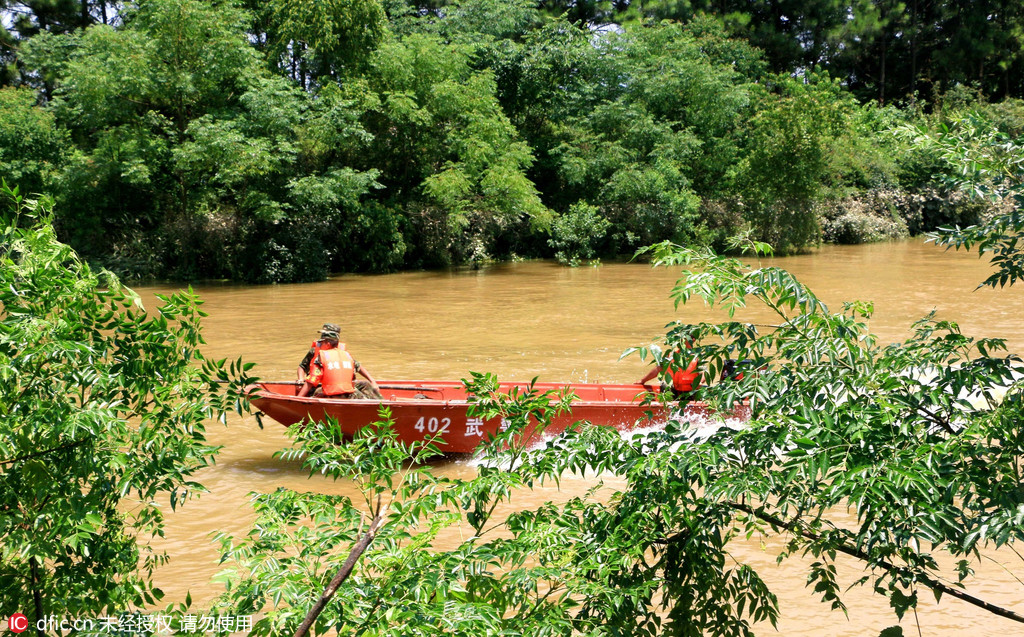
423, 409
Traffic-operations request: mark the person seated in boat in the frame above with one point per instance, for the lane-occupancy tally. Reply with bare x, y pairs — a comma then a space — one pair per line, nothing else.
307, 361
332, 371
682, 382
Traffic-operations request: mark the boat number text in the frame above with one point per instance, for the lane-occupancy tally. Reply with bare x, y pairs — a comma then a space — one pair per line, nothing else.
474, 426
433, 425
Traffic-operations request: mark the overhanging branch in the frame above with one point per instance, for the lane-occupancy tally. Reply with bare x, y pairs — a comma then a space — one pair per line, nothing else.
70, 445
863, 556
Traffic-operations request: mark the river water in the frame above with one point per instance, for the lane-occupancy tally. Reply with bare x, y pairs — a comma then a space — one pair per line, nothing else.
523, 320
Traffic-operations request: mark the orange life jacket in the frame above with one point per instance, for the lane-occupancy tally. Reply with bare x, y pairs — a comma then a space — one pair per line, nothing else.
315, 348
685, 379
337, 370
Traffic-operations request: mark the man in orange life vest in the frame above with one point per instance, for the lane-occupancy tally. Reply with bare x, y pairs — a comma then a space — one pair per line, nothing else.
307, 361
685, 381
332, 369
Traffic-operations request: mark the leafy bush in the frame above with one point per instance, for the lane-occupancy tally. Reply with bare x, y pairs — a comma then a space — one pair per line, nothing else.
863, 156
933, 207
788, 139
576, 234
371, 240
871, 216
104, 408
32, 147
295, 251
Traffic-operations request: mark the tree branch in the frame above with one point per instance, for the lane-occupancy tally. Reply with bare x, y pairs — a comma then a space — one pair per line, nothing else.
70, 445
343, 574
935, 418
861, 555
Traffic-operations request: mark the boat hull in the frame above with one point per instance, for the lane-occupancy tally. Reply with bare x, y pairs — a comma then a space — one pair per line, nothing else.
439, 410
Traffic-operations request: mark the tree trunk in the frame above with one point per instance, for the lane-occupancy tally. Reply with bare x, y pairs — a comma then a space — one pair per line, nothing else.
346, 570
881, 74
302, 65
915, 32
293, 61
37, 597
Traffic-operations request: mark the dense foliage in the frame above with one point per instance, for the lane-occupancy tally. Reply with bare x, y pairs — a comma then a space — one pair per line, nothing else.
283, 140
377, 566
102, 411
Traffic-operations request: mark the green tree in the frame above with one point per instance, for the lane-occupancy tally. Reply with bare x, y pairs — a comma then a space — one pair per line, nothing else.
640, 123
445, 148
495, 20
632, 166
176, 58
884, 50
315, 41
185, 145
788, 140
25, 19
129, 95
104, 408
32, 147
577, 234
554, 75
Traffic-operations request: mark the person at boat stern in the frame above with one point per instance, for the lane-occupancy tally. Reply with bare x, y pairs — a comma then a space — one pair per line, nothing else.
329, 370
682, 382
304, 366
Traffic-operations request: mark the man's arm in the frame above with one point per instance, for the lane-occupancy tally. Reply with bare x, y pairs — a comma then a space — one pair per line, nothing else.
303, 369
365, 374
651, 374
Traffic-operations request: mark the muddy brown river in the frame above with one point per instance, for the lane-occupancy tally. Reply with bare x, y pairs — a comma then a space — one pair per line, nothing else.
530, 319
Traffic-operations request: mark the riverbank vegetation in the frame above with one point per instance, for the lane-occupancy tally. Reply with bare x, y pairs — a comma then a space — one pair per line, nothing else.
281, 141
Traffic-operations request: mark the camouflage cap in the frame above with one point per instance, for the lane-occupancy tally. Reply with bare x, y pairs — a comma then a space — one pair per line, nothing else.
331, 330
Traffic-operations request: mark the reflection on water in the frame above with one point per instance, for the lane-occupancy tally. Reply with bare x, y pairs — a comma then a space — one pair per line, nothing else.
539, 319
